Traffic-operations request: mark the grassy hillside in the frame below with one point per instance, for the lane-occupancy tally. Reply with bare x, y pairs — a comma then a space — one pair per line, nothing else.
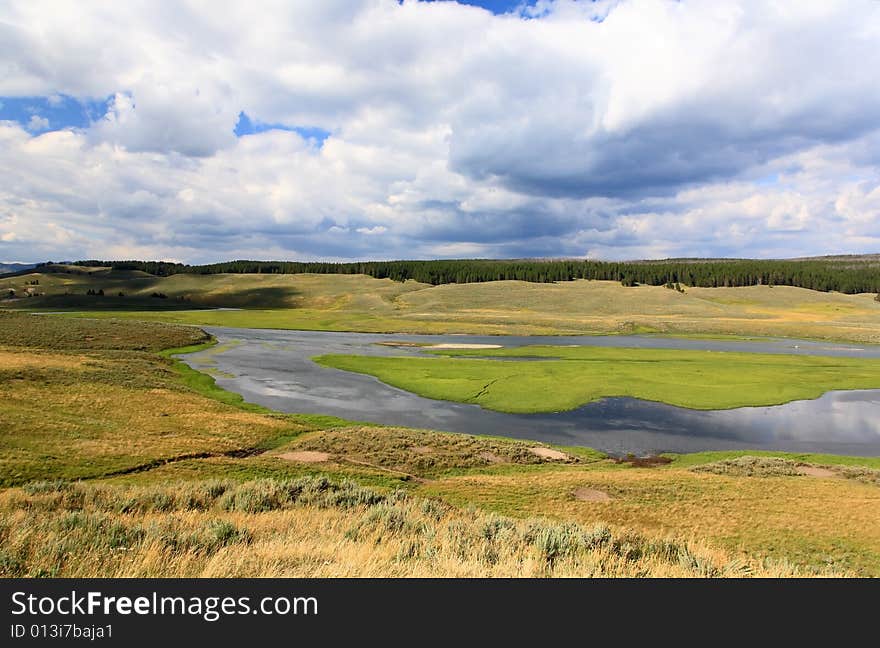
569, 377
360, 303
117, 461
144, 291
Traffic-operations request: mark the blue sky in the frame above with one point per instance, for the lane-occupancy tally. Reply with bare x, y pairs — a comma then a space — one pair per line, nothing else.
57, 112
247, 126
375, 129
54, 112
499, 6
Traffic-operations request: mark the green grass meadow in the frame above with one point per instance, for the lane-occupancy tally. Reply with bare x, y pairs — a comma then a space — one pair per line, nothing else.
573, 376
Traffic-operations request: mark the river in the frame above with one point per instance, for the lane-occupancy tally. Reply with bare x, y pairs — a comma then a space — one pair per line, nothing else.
274, 368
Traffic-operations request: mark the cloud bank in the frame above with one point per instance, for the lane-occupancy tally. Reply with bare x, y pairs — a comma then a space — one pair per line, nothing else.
378, 129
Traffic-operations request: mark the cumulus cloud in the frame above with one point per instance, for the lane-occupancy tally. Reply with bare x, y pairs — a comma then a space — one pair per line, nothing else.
164, 119
618, 129
37, 123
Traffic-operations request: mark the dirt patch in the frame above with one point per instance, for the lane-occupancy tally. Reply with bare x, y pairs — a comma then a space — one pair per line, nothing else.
422, 449
464, 346
644, 462
815, 471
549, 453
591, 495
491, 457
306, 456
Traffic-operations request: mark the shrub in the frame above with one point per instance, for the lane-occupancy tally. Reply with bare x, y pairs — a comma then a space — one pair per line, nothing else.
40, 487
162, 502
493, 526
120, 536
10, 565
220, 533
556, 541
389, 517
202, 496
434, 509
866, 475
748, 466
255, 497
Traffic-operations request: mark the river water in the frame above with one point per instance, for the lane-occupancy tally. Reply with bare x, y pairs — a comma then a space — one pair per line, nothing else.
274, 368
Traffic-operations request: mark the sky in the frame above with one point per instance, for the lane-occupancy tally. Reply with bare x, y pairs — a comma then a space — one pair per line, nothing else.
202, 131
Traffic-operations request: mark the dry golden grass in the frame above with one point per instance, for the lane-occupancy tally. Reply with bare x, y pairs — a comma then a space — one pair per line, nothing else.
78, 415
313, 528
14, 361
603, 306
49, 332
807, 520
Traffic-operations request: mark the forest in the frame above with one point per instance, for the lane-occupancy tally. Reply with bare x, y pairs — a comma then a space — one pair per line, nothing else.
843, 274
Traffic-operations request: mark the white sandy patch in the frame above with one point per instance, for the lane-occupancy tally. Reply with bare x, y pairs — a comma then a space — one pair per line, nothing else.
464, 346
548, 453
815, 471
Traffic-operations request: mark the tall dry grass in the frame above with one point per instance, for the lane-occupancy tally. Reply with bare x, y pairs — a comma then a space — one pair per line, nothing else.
313, 527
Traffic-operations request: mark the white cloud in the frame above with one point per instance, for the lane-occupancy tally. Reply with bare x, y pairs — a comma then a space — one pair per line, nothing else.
372, 231
37, 123
614, 128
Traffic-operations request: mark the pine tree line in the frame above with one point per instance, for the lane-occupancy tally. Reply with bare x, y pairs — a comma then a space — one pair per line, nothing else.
816, 274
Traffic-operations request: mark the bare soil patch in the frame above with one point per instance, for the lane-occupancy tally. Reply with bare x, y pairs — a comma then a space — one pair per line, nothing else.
306, 456
549, 453
815, 471
591, 495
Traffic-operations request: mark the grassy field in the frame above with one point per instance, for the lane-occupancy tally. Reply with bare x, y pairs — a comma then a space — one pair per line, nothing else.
313, 527
83, 399
360, 303
117, 461
573, 376
827, 521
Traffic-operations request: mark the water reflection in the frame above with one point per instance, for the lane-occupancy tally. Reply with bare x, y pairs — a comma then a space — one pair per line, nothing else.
273, 368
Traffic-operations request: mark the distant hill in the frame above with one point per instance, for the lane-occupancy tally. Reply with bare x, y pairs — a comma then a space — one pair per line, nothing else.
847, 274
843, 273
6, 268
